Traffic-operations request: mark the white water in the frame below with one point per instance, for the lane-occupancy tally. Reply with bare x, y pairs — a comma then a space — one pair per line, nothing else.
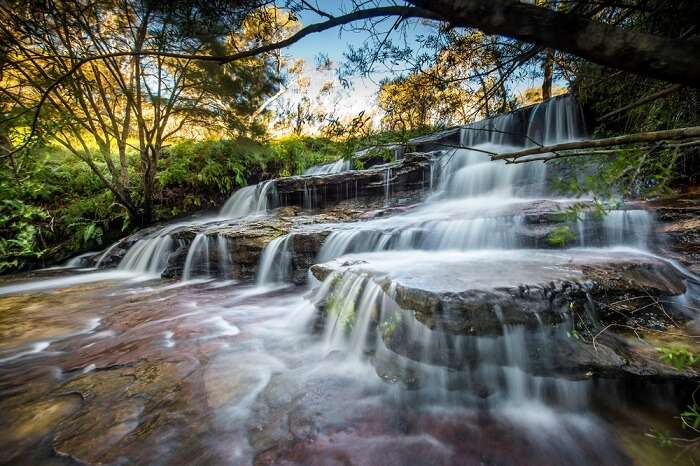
275, 262
150, 255
269, 359
249, 200
338, 166
479, 207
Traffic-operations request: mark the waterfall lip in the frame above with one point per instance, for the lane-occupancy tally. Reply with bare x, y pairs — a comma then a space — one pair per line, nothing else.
339, 166
455, 271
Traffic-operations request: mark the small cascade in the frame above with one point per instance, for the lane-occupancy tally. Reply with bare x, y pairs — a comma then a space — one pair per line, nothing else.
208, 256
148, 255
495, 371
198, 261
557, 119
250, 200
387, 185
628, 227
276, 261
338, 166
225, 265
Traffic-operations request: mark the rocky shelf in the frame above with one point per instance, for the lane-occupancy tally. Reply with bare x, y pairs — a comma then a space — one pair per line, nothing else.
408, 175
451, 299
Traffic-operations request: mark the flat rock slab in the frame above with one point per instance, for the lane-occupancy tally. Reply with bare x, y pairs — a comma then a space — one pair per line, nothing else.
449, 302
467, 292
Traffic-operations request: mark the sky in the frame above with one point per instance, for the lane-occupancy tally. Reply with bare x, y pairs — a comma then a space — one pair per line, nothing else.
333, 43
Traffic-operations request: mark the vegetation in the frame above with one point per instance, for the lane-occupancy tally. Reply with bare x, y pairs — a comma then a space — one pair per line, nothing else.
116, 114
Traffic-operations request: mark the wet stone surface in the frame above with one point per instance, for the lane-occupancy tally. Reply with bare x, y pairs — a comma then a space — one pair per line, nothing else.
155, 372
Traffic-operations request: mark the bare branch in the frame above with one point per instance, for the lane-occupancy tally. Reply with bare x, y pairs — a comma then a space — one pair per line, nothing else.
630, 139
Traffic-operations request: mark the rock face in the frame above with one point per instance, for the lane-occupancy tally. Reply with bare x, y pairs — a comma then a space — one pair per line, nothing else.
449, 138
234, 248
411, 174
678, 225
447, 301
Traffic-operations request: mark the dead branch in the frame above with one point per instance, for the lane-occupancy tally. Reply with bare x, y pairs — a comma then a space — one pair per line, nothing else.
629, 139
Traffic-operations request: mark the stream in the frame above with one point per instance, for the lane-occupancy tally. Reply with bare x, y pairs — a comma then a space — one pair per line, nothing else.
421, 320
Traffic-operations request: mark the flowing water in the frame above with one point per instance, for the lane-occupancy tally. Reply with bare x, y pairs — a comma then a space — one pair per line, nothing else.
338, 166
123, 367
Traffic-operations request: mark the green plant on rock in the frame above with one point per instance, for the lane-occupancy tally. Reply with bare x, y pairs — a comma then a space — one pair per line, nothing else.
679, 357
560, 236
388, 326
691, 417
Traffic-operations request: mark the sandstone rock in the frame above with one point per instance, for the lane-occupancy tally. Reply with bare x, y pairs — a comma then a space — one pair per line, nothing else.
451, 300
321, 191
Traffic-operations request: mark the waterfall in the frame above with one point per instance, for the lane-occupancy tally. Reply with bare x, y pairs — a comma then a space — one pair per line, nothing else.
208, 256
250, 200
338, 166
197, 261
276, 261
149, 255
225, 265
353, 305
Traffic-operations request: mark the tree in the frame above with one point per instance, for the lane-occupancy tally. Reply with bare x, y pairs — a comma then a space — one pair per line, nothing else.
127, 102
595, 31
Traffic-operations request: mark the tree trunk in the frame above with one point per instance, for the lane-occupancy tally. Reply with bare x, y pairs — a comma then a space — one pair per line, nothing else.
548, 69
149, 160
633, 51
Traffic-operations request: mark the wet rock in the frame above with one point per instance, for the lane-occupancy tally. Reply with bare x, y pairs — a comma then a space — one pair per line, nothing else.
466, 292
449, 302
678, 226
126, 406
410, 174
449, 138
245, 240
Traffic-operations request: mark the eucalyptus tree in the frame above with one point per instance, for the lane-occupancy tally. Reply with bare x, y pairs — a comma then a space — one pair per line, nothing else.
127, 102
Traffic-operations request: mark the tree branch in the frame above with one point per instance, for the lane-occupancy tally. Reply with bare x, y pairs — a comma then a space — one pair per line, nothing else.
223, 59
637, 138
673, 60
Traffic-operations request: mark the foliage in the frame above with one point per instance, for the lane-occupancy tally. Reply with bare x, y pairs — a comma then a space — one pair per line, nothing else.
560, 236
652, 171
691, 417
679, 357
129, 106
19, 240
60, 207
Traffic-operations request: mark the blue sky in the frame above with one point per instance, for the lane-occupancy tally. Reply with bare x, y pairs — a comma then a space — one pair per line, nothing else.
334, 42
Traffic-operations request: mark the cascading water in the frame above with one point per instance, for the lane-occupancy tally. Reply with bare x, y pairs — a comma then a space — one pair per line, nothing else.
480, 207
477, 201
249, 200
197, 260
275, 262
338, 166
439, 335
149, 255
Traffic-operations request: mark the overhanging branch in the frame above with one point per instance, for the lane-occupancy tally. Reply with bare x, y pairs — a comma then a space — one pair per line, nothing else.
630, 139
401, 11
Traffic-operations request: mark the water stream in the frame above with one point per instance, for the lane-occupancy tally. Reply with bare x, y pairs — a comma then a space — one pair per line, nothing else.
217, 372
